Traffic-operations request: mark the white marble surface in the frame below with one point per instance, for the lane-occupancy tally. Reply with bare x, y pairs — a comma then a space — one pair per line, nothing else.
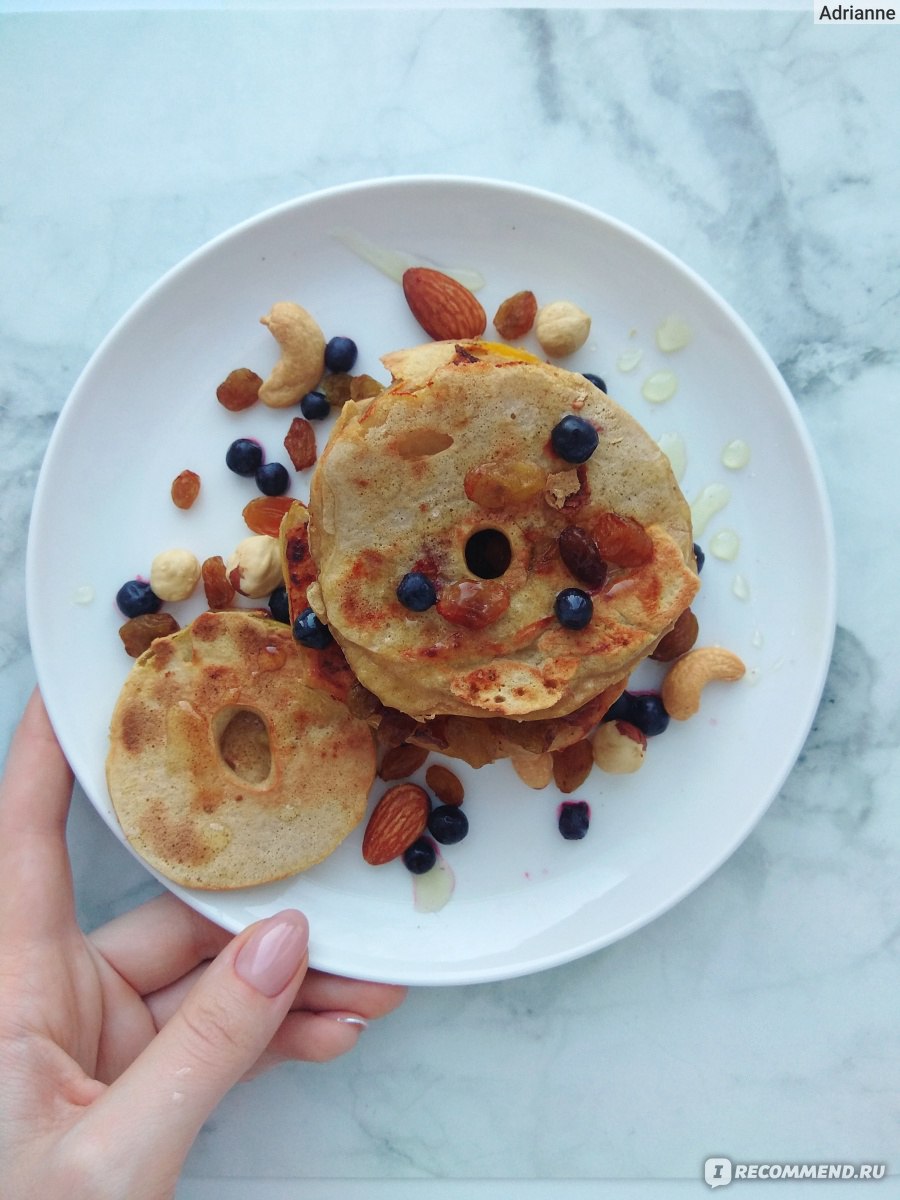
759, 1018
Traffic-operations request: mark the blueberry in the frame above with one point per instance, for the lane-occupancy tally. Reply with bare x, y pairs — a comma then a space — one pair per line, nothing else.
700, 557
574, 819
278, 605
420, 856
340, 354
244, 457
574, 608
574, 439
136, 598
448, 824
644, 710
596, 380
315, 406
416, 591
272, 479
309, 631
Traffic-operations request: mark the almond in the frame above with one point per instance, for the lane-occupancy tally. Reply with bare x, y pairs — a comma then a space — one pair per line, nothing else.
572, 765
444, 308
401, 761
446, 786
399, 817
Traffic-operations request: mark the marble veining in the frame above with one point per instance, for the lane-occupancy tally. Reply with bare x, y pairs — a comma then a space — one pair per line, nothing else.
758, 1018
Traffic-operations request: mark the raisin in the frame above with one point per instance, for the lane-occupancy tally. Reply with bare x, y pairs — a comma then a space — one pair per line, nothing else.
495, 484
265, 514
239, 390
185, 489
218, 588
579, 552
401, 761
446, 786
300, 443
138, 633
622, 541
474, 604
515, 316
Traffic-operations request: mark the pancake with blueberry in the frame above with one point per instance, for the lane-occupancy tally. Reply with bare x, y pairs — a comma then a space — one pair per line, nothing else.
494, 537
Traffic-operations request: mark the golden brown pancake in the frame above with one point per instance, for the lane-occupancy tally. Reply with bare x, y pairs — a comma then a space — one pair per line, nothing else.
224, 768
393, 493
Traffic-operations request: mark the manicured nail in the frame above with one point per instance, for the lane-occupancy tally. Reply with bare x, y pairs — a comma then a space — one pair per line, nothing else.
271, 957
349, 1019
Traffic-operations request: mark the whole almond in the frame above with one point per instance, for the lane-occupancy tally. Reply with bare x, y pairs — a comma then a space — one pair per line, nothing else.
443, 307
572, 766
399, 817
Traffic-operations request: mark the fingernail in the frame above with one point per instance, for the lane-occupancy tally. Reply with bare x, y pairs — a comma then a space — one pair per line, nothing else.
348, 1019
271, 957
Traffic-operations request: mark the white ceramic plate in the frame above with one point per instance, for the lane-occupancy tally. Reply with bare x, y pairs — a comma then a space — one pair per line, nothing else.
145, 408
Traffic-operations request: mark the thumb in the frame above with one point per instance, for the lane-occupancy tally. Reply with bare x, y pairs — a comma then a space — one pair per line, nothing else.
224, 1024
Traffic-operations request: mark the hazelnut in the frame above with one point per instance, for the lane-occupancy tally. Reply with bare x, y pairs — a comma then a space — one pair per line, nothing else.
561, 328
174, 574
254, 568
619, 747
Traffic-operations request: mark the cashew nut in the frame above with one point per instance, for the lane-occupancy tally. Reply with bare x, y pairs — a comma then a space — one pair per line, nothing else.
690, 674
302, 361
561, 328
534, 769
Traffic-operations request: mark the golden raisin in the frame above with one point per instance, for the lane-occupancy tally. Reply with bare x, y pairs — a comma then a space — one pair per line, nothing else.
239, 390
364, 387
300, 443
185, 489
498, 484
446, 786
138, 633
337, 388
265, 514
216, 584
473, 603
515, 316
622, 541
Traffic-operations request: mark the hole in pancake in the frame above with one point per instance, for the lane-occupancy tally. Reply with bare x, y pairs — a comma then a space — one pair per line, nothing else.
488, 553
422, 443
242, 739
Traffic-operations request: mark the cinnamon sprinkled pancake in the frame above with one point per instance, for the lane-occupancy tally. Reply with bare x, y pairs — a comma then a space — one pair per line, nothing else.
451, 473
224, 768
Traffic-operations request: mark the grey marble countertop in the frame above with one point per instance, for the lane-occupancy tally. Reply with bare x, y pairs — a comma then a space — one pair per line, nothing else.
758, 1019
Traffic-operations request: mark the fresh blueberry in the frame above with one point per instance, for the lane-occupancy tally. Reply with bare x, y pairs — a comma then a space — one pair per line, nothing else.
416, 591
574, 439
135, 598
272, 479
420, 856
596, 380
340, 354
700, 557
309, 631
448, 824
315, 406
574, 819
574, 608
244, 457
644, 710
278, 605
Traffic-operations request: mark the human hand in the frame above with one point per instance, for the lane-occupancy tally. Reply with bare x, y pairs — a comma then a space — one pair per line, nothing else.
115, 1048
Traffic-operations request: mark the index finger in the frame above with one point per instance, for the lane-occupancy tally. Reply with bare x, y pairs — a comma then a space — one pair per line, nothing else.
35, 792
